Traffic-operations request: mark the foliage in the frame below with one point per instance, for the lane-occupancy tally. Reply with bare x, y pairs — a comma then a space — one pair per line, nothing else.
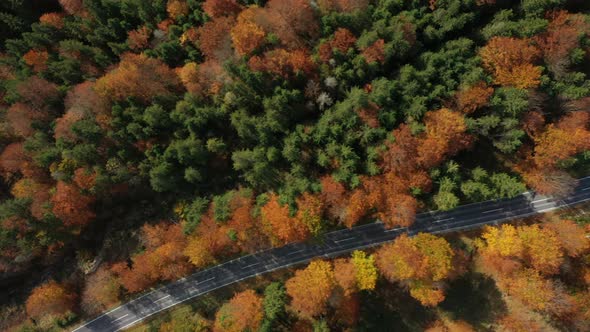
256, 123
71, 206
420, 261
365, 270
50, 298
511, 60
278, 222
310, 288
137, 76
102, 290
242, 312
162, 259
274, 301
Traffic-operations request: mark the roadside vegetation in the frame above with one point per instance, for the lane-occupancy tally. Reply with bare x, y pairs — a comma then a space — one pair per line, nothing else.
141, 141
531, 275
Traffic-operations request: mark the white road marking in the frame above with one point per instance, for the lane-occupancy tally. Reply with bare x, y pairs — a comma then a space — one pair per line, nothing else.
295, 252
162, 298
247, 266
393, 229
541, 200
120, 318
301, 261
106, 313
286, 266
494, 210
441, 220
342, 240
200, 282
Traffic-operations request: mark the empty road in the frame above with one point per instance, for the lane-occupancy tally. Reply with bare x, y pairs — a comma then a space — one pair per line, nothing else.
333, 244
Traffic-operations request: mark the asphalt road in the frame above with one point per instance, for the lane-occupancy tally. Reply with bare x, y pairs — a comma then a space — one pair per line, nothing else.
334, 244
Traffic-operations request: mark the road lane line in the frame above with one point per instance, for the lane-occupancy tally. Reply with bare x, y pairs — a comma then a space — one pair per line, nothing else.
342, 240
200, 282
162, 298
106, 313
441, 220
541, 200
247, 266
393, 229
295, 252
558, 205
120, 318
564, 205
494, 210
299, 262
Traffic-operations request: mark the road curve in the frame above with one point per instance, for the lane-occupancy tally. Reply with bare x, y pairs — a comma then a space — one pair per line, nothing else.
333, 244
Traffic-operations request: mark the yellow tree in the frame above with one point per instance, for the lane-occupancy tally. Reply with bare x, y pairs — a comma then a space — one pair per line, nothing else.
400, 260
198, 252
24, 188
537, 247
309, 213
419, 262
437, 253
425, 294
503, 240
365, 270
246, 35
311, 288
542, 248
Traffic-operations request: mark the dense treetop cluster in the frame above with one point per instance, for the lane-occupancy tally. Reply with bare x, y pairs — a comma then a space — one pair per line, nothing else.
222, 126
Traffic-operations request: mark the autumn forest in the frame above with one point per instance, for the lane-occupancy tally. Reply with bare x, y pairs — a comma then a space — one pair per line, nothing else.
143, 141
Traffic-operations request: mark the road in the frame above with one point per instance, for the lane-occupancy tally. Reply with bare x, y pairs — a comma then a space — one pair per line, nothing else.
334, 244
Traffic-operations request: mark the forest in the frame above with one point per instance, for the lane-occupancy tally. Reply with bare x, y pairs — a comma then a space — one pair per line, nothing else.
142, 141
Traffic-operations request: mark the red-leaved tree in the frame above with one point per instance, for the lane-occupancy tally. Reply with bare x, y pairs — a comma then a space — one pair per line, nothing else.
71, 206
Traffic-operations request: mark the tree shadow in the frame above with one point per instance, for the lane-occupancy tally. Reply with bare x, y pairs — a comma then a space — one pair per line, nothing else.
475, 299
391, 308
